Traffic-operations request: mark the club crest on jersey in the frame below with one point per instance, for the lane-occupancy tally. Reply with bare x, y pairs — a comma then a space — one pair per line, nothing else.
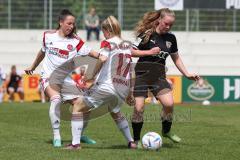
69, 47
168, 44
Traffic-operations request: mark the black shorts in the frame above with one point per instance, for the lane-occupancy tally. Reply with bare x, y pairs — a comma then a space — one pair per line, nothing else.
14, 87
141, 87
154, 80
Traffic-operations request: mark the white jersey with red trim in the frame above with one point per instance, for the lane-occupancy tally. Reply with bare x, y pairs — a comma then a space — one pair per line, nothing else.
114, 73
58, 50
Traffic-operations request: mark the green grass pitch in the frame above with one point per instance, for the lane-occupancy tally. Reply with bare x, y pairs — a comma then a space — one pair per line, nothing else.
207, 132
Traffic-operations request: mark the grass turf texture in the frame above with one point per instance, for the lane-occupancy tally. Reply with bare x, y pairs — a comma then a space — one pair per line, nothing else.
207, 132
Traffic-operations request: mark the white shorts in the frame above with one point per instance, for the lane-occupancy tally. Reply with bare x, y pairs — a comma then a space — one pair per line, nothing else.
103, 96
69, 90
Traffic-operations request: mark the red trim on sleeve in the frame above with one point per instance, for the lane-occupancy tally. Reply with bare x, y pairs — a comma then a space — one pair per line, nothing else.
79, 45
105, 44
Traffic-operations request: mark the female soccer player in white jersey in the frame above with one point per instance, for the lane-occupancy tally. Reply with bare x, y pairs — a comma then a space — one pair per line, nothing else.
59, 47
112, 84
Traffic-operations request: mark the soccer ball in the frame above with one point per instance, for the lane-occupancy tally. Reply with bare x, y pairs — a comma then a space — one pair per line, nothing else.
151, 141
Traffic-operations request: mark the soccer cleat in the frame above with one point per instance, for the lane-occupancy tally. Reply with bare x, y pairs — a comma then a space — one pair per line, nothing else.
172, 137
73, 147
86, 139
139, 144
132, 145
57, 143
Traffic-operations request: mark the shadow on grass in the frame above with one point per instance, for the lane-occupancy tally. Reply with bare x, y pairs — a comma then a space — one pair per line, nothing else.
169, 145
63, 141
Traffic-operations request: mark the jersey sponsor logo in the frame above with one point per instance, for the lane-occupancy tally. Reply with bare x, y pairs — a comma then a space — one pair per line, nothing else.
59, 52
168, 44
69, 47
162, 55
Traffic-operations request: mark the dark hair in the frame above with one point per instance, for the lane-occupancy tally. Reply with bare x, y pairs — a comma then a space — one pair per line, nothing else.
63, 14
13, 67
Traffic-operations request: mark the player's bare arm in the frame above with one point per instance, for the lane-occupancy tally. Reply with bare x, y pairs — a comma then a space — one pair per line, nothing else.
179, 64
130, 100
37, 61
94, 54
141, 53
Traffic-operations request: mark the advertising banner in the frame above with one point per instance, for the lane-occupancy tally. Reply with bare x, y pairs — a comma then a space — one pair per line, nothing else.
177, 88
213, 88
171, 4
233, 4
31, 87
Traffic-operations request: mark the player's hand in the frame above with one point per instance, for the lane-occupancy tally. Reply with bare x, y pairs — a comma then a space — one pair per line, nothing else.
89, 83
130, 100
194, 77
155, 50
29, 71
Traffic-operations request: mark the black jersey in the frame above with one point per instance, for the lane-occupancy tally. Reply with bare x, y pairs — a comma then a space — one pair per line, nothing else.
153, 67
166, 42
14, 80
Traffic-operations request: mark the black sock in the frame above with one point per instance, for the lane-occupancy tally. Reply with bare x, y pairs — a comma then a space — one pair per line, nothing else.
166, 126
137, 127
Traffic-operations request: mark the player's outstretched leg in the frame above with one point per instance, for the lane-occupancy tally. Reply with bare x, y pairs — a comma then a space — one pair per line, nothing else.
123, 126
54, 114
137, 123
167, 116
77, 123
166, 129
77, 127
84, 138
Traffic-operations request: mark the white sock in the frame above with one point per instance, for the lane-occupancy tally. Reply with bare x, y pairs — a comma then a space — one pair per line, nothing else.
77, 127
54, 114
122, 124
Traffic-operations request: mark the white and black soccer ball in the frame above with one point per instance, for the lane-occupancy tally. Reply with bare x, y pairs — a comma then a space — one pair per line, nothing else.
151, 141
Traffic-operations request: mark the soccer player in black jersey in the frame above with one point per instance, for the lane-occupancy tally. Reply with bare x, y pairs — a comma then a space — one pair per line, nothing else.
153, 30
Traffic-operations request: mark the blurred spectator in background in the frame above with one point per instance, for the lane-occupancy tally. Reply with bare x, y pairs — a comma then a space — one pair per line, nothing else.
14, 84
92, 23
2, 82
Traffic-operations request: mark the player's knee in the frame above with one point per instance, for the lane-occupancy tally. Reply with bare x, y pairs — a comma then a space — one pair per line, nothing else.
139, 105
20, 90
117, 115
55, 104
80, 106
10, 90
139, 108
